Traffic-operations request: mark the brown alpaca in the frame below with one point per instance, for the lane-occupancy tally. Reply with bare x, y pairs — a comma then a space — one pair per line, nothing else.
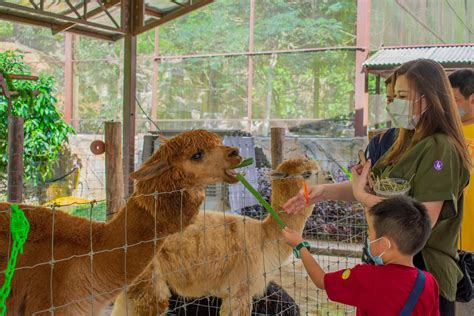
80, 284
227, 256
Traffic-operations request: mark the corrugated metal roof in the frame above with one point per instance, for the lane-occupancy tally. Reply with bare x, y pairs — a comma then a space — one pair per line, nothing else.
445, 55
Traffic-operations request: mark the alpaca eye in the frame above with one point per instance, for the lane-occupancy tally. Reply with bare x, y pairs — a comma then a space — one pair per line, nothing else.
307, 175
278, 175
197, 156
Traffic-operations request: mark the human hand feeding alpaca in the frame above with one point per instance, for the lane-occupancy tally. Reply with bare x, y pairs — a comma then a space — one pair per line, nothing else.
310, 195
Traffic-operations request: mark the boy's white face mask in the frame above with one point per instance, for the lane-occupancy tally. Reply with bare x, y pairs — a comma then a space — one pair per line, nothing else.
400, 111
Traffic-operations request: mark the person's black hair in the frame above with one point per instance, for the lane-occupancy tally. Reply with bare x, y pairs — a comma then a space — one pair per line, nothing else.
464, 80
404, 220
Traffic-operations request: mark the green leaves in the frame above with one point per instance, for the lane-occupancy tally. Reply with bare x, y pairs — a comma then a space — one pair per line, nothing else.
45, 131
11, 62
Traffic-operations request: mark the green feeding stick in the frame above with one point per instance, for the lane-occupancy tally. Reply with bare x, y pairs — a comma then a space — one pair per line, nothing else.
19, 228
257, 195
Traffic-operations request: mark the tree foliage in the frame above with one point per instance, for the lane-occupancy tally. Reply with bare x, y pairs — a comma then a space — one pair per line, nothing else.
286, 86
297, 86
45, 132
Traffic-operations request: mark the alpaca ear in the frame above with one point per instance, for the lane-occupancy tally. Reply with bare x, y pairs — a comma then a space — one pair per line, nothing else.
148, 171
162, 138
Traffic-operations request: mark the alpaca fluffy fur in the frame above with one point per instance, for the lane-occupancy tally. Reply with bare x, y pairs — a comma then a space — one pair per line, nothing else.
228, 256
75, 283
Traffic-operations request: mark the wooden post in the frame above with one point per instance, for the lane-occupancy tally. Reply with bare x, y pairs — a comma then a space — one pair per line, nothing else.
15, 159
113, 168
15, 140
129, 109
69, 79
378, 103
277, 141
154, 82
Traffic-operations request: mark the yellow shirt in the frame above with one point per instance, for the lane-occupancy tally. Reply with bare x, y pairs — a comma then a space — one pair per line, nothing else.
468, 219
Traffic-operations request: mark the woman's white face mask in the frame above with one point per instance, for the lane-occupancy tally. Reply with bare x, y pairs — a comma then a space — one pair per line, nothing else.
401, 113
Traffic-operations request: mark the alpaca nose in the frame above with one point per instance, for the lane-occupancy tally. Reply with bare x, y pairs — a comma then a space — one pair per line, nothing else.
233, 152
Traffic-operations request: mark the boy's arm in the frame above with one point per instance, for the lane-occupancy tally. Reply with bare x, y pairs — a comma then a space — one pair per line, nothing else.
293, 239
315, 272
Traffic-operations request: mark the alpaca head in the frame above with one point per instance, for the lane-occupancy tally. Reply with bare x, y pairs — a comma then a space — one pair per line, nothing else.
289, 177
303, 167
192, 159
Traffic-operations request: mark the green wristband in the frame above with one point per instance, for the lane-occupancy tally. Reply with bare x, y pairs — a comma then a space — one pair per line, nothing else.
296, 250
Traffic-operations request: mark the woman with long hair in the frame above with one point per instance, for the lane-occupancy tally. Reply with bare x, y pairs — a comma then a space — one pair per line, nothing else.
430, 152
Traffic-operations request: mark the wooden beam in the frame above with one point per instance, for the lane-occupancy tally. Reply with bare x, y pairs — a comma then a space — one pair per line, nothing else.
89, 15
27, 19
34, 5
22, 77
77, 7
113, 168
267, 52
15, 159
180, 4
73, 8
46, 14
138, 15
153, 12
106, 11
171, 16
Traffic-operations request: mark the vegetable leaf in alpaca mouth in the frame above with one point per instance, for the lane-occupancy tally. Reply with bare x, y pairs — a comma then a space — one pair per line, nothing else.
247, 162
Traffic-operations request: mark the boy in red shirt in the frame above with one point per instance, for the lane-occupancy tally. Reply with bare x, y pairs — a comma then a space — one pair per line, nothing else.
397, 229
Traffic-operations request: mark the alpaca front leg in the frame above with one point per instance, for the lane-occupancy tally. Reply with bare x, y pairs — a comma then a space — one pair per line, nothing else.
236, 306
162, 294
150, 297
244, 307
226, 307
123, 306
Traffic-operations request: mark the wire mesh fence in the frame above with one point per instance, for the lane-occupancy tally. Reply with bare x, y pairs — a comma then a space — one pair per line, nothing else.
221, 238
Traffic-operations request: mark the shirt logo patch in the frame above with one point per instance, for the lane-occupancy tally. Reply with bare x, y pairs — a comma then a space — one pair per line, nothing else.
346, 274
438, 165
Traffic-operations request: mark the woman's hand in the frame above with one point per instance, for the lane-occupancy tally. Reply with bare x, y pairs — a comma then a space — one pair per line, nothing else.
360, 177
296, 204
291, 237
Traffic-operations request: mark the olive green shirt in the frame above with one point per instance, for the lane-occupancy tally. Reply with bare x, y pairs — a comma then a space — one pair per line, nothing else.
438, 175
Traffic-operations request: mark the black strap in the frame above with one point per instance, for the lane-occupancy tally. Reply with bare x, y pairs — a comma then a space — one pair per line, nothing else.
415, 294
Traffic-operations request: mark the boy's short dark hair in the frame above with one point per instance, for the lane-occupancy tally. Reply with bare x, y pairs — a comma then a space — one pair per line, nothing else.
464, 80
404, 220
